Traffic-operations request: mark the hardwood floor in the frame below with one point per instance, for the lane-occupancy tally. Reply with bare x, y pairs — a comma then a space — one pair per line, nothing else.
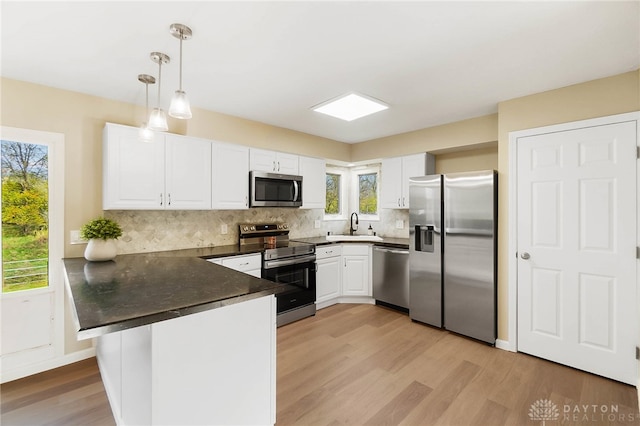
69, 395
368, 365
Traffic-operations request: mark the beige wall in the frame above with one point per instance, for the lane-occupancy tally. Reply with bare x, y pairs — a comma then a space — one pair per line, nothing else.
468, 160
598, 98
471, 133
226, 128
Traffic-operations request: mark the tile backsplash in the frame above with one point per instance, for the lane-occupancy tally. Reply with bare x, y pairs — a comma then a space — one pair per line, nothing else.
151, 230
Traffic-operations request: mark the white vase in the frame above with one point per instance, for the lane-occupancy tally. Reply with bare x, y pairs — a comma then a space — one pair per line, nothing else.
99, 250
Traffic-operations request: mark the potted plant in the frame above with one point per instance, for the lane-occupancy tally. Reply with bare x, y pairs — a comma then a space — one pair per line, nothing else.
102, 234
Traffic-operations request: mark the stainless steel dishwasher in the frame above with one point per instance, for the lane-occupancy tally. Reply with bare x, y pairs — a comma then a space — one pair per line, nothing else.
391, 276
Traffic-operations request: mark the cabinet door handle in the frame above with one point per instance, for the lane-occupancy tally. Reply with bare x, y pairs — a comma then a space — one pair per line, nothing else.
274, 165
246, 201
398, 202
169, 199
403, 204
160, 198
278, 166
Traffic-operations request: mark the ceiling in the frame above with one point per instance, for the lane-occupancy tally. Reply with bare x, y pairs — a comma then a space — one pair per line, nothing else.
432, 62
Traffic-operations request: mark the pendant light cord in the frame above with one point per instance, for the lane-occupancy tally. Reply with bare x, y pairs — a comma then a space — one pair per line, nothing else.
159, 79
181, 61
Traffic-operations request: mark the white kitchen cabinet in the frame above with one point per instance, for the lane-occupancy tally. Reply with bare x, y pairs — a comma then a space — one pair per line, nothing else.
273, 162
230, 175
356, 276
172, 172
328, 275
133, 171
187, 173
395, 174
249, 264
314, 187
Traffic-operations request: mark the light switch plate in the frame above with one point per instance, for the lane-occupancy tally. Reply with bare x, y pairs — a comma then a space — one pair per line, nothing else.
74, 237
400, 224
316, 224
223, 229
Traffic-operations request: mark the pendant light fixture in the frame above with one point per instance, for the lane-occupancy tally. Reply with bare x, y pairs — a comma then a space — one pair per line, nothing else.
146, 134
180, 107
158, 119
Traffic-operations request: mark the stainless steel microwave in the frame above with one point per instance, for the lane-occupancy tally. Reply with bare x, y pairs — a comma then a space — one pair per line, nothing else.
274, 190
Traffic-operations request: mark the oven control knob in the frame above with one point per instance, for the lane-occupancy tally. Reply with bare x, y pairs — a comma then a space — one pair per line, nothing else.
245, 228
253, 227
285, 226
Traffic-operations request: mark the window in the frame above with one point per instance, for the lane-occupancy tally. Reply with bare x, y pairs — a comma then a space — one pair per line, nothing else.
365, 192
337, 181
368, 193
333, 194
361, 183
25, 216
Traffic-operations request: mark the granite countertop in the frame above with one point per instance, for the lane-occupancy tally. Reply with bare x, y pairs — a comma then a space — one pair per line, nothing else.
402, 243
140, 289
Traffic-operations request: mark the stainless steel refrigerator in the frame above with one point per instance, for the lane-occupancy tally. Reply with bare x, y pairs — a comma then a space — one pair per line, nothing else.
452, 252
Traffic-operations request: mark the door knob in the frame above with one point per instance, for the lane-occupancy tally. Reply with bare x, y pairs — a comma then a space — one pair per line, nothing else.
525, 256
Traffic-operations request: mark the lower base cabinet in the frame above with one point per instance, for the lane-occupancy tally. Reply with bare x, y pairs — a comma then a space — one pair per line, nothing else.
249, 264
355, 276
215, 367
344, 274
329, 273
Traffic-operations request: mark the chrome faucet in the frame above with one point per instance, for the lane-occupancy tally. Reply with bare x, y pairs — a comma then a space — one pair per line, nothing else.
353, 229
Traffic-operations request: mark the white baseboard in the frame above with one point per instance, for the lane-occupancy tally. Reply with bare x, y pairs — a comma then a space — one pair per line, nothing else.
351, 299
24, 371
505, 345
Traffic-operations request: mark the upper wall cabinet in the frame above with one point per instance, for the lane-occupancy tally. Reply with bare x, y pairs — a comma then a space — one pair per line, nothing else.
172, 172
273, 162
230, 177
313, 172
395, 174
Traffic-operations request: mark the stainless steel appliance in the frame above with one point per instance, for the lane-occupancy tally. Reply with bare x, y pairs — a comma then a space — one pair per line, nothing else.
452, 252
274, 190
285, 261
391, 277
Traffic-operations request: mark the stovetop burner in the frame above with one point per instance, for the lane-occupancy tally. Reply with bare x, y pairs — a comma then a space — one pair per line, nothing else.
274, 237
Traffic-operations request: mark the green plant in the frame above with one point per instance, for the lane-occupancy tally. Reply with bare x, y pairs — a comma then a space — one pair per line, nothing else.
100, 228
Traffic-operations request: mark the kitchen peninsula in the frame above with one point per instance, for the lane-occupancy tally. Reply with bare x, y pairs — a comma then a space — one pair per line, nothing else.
179, 340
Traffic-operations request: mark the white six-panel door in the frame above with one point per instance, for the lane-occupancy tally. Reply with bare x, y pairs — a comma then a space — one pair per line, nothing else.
576, 210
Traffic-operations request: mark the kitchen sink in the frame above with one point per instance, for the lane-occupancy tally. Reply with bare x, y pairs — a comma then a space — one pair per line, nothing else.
364, 238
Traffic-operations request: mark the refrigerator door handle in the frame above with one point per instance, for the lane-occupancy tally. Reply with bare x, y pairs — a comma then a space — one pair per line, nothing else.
424, 238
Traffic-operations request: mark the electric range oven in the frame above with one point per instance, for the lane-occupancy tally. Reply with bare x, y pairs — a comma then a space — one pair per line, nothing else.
287, 262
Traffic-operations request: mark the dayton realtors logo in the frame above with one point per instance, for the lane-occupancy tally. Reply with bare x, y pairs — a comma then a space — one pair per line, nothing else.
543, 409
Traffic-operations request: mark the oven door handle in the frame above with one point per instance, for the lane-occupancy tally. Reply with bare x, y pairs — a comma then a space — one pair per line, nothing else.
270, 264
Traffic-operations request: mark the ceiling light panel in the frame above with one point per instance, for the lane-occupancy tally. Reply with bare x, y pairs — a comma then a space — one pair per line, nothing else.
350, 107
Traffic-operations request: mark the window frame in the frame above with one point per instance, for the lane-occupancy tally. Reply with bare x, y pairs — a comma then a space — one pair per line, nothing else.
343, 192
355, 191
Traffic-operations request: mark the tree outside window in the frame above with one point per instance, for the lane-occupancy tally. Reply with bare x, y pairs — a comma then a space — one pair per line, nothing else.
333, 206
368, 194
25, 205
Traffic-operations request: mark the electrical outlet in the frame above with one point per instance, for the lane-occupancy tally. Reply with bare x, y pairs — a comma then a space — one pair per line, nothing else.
400, 224
223, 229
74, 237
316, 224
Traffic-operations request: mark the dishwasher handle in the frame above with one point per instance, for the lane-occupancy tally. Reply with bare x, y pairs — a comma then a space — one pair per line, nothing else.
394, 251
